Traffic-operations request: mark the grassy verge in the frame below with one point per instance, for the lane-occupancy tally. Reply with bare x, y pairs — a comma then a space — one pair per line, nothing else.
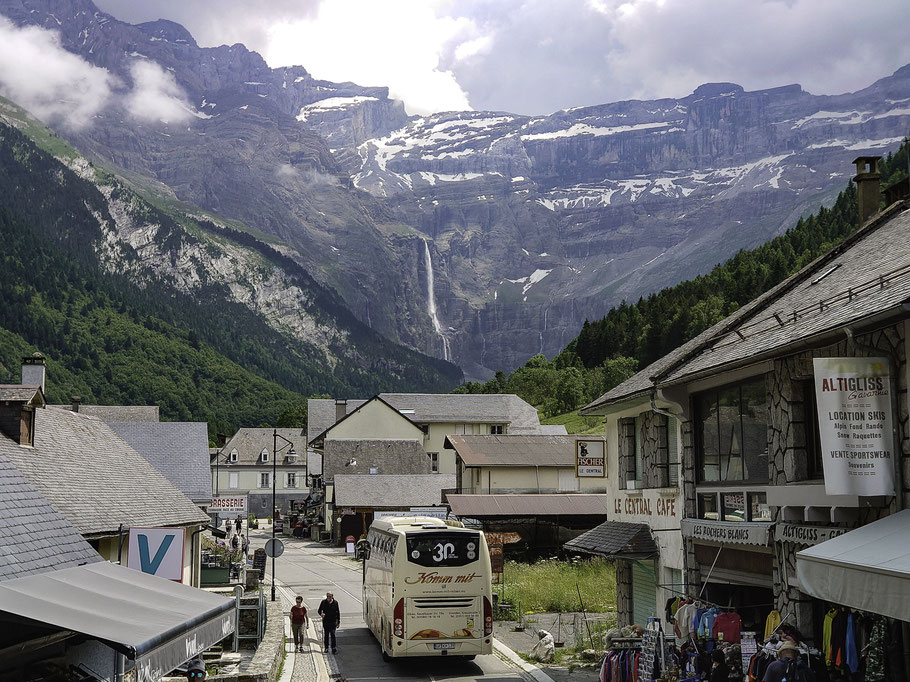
550, 585
575, 423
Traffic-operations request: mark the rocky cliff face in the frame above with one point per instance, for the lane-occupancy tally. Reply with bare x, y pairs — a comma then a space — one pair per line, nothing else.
524, 226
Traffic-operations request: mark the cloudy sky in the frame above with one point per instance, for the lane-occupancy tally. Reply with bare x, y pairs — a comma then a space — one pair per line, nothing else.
538, 56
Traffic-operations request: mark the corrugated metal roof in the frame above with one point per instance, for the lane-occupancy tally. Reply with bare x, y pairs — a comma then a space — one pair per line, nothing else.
615, 539
474, 506
509, 450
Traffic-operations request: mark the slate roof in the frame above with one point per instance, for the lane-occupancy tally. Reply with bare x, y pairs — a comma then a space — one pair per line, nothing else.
119, 413
870, 277
871, 274
545, 451
34, 537
391, 491
250, 442
179, 450
18, 393
423, 408
617, 540
508, 505
94, 479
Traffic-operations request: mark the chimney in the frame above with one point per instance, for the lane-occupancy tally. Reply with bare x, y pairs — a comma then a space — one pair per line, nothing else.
77, 401
868, 186
33, 370
341, 410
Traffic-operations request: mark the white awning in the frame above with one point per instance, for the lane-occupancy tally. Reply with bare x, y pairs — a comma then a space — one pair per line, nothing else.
157, 623
867, 568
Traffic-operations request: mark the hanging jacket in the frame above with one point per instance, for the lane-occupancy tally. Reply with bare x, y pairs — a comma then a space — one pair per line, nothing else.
706, 624
851, 657
826, 635
771, 623
730, 625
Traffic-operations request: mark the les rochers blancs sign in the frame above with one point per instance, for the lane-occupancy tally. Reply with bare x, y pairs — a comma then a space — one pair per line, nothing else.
854, 421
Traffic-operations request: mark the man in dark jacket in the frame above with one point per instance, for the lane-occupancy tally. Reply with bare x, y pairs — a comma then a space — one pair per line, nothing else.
331, 619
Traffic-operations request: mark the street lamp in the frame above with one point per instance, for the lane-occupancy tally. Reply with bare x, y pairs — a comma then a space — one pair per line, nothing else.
275, 437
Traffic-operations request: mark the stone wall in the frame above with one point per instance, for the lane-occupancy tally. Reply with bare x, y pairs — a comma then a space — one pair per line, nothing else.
623, 593
387, 456
788, 385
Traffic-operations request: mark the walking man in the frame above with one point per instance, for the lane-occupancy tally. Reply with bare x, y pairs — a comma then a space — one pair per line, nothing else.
298, 620
238, 523
331, 619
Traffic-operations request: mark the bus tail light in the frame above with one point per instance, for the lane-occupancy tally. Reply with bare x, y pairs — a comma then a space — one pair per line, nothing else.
398, 619
487, 617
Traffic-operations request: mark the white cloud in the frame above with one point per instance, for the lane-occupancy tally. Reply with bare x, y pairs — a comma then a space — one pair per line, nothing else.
537, 56
398, 45
155, 95
55, 85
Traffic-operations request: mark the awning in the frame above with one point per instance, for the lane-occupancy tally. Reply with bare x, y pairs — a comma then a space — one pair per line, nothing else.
867, 568
567, 504
616, 540
155, 622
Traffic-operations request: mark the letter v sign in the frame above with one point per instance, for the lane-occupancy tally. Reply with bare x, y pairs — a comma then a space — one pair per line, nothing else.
146, 563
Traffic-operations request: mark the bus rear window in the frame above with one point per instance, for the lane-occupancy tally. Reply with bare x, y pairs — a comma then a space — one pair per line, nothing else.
443, 549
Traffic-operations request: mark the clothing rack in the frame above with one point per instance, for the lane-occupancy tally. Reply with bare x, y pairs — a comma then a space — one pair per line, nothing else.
669, 588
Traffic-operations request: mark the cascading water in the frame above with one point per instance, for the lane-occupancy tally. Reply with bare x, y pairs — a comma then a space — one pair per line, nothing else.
431, 301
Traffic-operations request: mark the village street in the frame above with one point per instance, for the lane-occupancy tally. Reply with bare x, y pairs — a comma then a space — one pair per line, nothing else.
311, 569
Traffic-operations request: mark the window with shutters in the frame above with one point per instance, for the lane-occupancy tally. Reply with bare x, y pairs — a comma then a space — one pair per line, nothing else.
234, 480
291, 481
265, 479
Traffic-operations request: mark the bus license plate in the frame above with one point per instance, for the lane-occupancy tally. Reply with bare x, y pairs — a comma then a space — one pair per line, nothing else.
444, 645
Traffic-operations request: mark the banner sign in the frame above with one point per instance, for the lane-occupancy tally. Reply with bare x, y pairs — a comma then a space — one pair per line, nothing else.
228, 505
805, 535
157, 551
738, 532
854, 422
435, 512
590, 458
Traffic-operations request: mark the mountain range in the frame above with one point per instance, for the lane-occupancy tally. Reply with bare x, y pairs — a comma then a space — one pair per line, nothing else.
477, 237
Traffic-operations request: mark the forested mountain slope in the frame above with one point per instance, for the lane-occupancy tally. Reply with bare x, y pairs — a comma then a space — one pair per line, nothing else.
132, 306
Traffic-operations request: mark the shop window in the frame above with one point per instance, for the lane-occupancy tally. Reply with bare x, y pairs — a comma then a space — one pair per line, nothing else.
707, 506
627, 449
813, 441
638, 463
667, 455
732, 433
758, 507
734, 505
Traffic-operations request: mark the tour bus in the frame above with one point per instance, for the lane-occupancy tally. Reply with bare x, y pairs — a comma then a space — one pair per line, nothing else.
426, 588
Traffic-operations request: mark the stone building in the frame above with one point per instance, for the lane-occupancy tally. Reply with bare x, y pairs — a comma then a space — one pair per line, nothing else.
755, 477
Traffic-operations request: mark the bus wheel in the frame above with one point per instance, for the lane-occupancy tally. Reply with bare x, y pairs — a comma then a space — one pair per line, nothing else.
468, 658
385, 656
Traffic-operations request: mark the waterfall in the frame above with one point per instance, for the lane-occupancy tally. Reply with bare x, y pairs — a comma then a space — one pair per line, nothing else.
431, 301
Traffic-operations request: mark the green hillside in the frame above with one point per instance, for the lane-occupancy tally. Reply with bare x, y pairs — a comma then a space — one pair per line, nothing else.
199, 357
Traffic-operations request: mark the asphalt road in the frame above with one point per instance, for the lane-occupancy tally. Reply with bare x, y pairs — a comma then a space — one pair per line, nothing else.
310, 570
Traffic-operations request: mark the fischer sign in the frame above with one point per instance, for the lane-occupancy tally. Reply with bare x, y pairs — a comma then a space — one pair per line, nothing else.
590, 458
